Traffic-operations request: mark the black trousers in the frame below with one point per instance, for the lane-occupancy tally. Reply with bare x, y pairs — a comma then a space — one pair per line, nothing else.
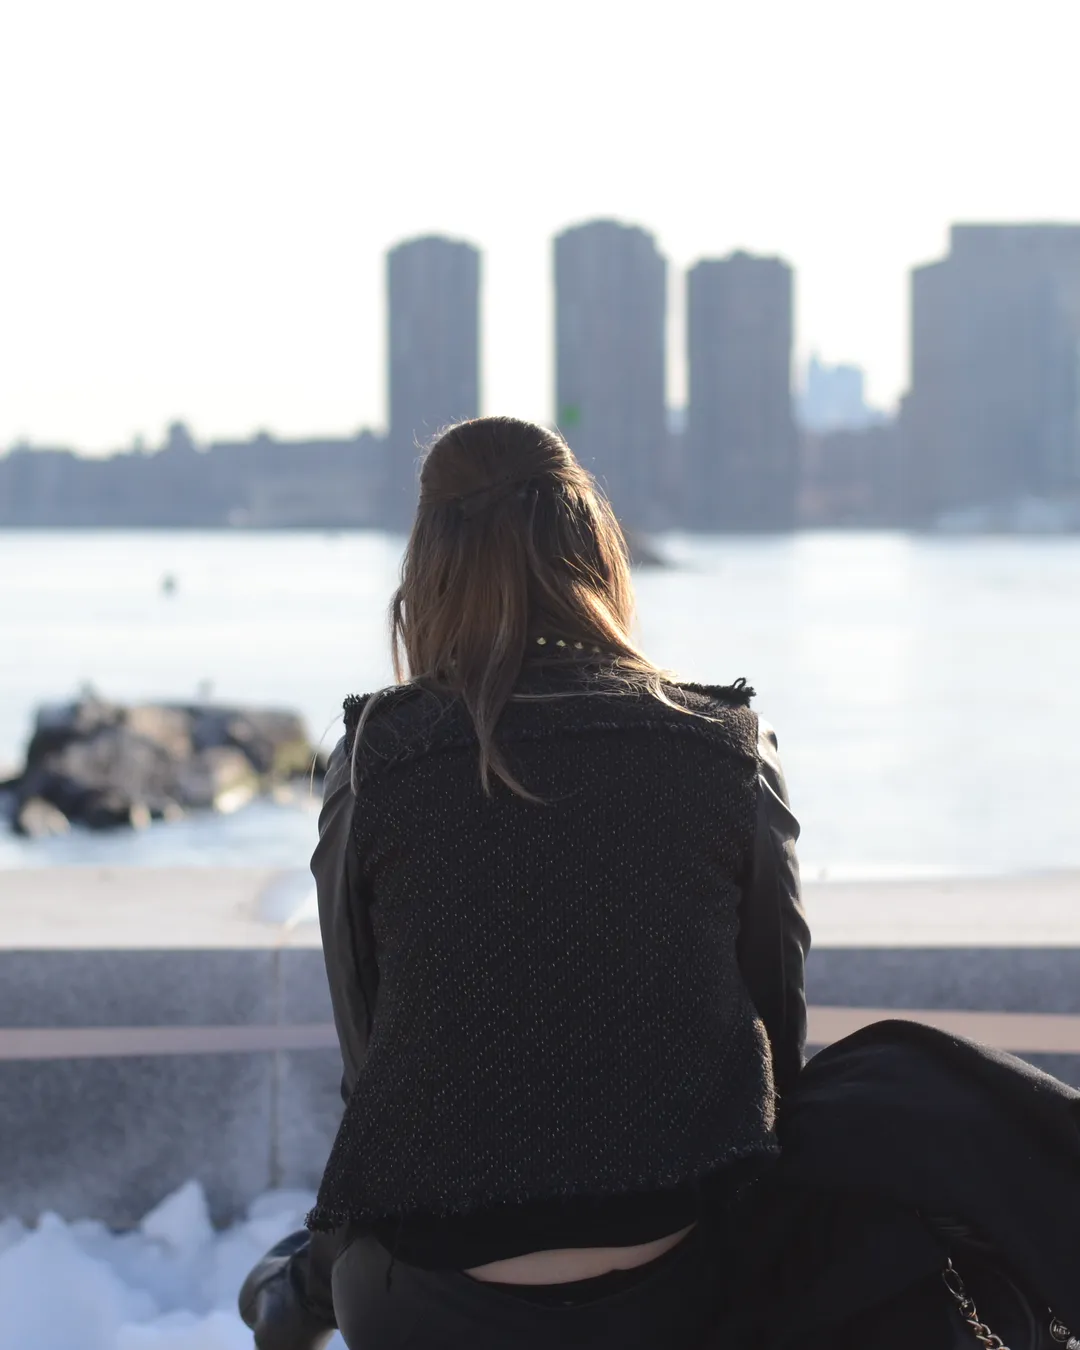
668, 1304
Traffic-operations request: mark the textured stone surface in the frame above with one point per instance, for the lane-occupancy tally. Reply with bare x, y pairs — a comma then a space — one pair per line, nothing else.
309, 1108
309, 1101
132, 988
112, 1137
973, 979
110, 947
302, 989
992, 979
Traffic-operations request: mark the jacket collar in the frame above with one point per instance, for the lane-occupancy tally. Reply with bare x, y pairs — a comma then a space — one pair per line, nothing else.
409, 721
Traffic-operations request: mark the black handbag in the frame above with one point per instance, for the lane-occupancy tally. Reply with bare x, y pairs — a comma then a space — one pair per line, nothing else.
989, 1306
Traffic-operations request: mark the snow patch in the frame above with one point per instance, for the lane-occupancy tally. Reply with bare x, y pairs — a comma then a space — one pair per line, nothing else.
171, 1284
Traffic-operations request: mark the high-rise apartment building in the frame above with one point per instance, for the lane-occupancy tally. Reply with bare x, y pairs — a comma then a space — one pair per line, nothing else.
740, 451
610, 356
993, 413
433, 295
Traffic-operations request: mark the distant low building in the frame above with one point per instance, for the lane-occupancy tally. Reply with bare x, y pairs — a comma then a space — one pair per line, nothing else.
41, 487
850, 476
269, 483
833, 398
258, 483
36, 483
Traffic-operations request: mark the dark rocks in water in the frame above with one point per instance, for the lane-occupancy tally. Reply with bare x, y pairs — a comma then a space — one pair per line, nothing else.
218, 778
38, 819
104, 765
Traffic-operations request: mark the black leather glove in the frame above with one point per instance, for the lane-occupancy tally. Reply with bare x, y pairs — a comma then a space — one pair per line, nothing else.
273, 1300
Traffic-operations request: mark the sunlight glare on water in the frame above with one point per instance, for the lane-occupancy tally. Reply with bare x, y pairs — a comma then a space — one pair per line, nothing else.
923, 689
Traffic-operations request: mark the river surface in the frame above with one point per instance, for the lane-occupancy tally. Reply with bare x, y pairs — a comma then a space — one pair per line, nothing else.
925, 691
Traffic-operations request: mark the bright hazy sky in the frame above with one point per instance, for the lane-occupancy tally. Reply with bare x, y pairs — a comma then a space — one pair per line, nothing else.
197, 194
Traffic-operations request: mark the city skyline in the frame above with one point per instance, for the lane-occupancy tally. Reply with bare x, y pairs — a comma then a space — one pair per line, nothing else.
441, 288
676, 347
199, 205
989, 430
435, 338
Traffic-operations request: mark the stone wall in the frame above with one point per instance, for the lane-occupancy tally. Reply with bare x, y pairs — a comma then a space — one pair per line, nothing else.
156, 1027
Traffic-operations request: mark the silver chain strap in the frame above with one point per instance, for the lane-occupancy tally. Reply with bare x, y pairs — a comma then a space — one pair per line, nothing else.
968, 1311
982, 1333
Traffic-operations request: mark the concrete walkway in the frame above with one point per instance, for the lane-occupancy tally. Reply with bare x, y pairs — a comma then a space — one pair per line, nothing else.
177, 908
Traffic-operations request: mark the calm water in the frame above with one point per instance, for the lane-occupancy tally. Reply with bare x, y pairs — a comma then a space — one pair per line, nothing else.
924, 690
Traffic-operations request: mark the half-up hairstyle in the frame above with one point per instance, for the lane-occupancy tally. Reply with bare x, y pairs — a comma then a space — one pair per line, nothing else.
512, 541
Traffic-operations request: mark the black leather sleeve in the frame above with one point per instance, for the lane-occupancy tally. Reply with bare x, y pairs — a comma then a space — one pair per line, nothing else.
348, 947
286, 1298
774, 937
292, 1283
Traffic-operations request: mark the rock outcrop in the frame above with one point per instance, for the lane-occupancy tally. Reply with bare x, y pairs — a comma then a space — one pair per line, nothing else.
105, 765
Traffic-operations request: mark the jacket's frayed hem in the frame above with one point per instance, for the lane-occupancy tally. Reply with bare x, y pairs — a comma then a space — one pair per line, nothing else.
324, 1219
320, 1220
740, 693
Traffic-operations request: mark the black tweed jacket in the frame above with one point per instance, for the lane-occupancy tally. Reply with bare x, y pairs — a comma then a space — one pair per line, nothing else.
586, 997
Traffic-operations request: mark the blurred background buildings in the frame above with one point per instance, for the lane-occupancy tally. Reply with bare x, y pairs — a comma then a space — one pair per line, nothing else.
740, 460
611, 365
993, 415
987, 437
433, 314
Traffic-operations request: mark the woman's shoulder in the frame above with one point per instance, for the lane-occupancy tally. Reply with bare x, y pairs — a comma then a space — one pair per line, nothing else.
614, 703
406, 720
355, 705
735, 695
722, 711
398, 719
406, 704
